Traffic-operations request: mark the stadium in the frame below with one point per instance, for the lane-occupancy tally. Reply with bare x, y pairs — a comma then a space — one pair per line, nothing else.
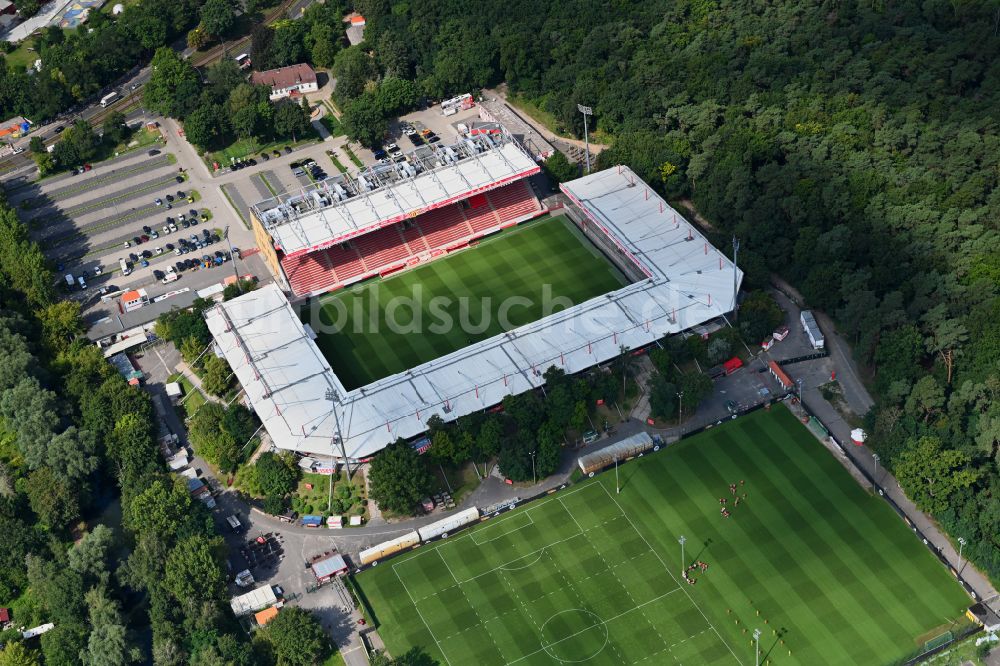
460, 223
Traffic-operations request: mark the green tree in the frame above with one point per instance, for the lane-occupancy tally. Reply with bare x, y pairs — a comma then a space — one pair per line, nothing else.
194, 570
363, 121
211, 440
323, 45
89, 557
662, 397
759, 316
216, 376
218, 17
398, 478
114, 129
291, 119
61, 324
695, 387
132, 447
15, 653
489, 437
174, 85
296, 637
37, 145
559, 169
549, 450
395, 96
52, 499
932, 474
926, 399
206, 126
353, 68
275, 477
108, 644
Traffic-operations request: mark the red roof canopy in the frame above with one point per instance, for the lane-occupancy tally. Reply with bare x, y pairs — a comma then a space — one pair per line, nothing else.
732, 365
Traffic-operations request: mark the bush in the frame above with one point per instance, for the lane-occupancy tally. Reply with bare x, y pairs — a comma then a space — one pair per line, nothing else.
274, 504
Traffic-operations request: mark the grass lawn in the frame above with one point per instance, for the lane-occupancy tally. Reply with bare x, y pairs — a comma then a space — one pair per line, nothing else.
314, 500
332, 125
337, 163
471, 285
247, 148
190, 405
826, 571
351, 156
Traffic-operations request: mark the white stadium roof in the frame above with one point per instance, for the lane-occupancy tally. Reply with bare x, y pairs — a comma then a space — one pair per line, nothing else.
293, 388
344, 206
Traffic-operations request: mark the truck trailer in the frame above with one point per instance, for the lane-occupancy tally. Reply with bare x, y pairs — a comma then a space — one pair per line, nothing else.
812, 329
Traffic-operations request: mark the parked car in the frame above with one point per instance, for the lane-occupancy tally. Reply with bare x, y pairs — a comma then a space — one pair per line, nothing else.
158, 202
144, 238
157, 274
146, 229
154, 234
170, 198
265, 157
153, 153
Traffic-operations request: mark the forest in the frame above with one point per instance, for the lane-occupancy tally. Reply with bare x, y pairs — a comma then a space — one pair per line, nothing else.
853, 148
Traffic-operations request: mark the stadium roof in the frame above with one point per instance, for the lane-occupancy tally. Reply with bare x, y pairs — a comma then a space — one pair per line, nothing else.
338, 208
294, 390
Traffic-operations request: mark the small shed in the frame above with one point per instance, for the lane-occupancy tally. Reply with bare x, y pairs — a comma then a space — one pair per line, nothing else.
985, 616
732, 365
4, 615
335, 522
330, 567
174, 391
312, 521
265, 616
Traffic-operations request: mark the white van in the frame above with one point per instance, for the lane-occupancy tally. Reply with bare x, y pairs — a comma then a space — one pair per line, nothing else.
124, 265
234, 523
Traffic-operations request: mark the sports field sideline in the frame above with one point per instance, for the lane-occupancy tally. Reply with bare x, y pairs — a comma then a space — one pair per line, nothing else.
826, 571
514, 263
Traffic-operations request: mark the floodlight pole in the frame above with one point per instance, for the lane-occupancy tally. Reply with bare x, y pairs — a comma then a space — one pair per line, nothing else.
756, 638
680, 408
961, 545
533, 480
736, 250
586, 111
875, 473
681, 541
332, 397
225, 234
618, 487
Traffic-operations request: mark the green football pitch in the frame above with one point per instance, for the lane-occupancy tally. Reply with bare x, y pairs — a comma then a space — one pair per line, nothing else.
391, 325
826, 571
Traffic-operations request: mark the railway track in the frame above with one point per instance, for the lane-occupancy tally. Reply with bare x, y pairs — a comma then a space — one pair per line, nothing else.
216, 52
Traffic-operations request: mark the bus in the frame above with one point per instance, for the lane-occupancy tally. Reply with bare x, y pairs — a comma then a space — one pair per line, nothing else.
108, 99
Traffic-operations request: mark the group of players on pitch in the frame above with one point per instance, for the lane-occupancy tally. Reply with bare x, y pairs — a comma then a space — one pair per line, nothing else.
736, 498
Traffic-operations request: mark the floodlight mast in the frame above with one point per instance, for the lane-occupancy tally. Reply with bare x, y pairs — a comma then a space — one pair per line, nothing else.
756, 638
586, 111
332, 397
681, 541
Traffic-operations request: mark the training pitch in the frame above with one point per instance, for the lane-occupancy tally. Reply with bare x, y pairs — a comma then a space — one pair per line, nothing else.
469, 286
826, 571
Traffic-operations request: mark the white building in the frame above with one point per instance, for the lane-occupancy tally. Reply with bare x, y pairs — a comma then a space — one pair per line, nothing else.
287, 81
